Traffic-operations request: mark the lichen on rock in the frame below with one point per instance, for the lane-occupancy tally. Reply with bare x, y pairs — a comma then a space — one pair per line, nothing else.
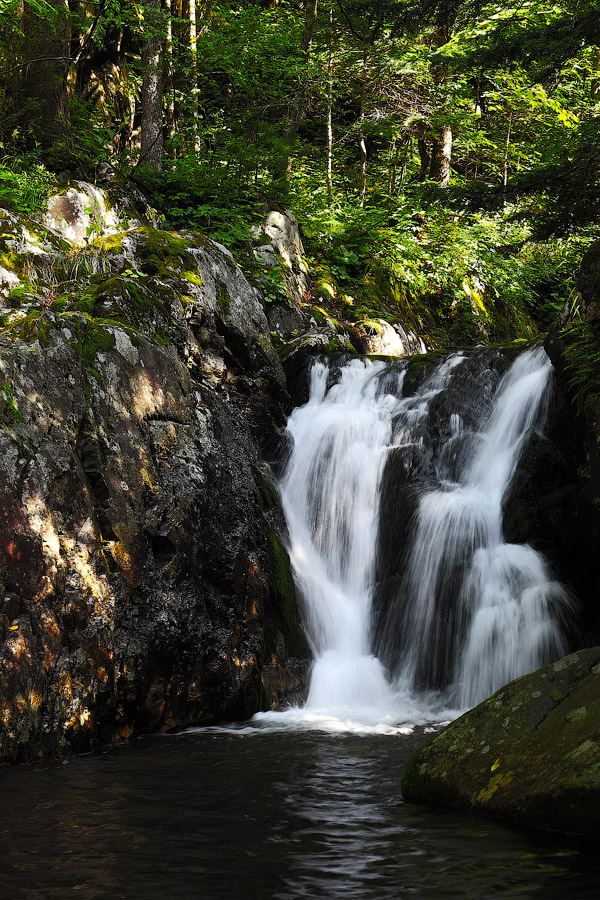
530, 754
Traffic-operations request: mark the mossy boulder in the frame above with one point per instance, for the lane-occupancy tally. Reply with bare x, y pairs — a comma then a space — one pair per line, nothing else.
530, 754
378, 337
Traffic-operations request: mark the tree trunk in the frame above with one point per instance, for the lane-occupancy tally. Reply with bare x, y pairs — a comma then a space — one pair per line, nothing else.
424, 157
441, 157
505, 162
45, 83
194, 72
362, 182
393, 167
283, 170
169, 70
407, 151
329, 111
152, 149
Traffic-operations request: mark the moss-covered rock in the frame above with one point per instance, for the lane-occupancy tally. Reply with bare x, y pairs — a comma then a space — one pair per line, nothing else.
530, 754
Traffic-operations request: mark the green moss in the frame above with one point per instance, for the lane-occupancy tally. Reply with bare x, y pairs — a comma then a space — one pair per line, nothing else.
223, 298
284, 595
14, 411
91, 337
192, 276
9, 260
165, 244
325, 283
124, 302
35, 326
20, 294
476, 296
161, 339
268, 497
108, 242
335, 345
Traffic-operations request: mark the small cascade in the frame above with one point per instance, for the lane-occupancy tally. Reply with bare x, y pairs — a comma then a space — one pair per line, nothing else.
475, 611
330, 496
464, 612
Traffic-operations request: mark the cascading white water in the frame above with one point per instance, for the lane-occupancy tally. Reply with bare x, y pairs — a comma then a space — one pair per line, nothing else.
472, 612
506, 602
330, 496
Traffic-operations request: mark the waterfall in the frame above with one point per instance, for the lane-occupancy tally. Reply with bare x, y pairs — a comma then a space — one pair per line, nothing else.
478, 612
464, 612
330, 497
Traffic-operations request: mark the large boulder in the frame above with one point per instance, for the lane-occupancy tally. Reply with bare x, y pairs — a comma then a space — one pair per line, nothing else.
144, 583
280, 245
530, 754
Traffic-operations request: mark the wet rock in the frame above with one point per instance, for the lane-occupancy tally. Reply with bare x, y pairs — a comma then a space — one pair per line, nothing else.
528, 755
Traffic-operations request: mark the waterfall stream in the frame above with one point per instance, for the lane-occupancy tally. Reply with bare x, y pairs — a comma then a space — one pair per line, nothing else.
460, 611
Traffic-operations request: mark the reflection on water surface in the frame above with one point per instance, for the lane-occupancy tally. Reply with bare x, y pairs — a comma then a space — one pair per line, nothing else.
213, 814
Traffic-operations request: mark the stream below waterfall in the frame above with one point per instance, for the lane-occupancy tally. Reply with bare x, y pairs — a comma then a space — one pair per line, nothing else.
222, 814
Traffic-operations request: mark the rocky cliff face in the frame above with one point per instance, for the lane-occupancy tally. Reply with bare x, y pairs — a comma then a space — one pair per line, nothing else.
144, 582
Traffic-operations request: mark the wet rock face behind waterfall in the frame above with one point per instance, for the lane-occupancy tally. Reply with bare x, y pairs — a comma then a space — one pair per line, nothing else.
435, 453
144, 583
573, 515
412, 468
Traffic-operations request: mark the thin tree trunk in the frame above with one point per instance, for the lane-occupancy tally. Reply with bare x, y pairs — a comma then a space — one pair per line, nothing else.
329, 111
194, 72
362, 183
407, 149
205, 16
424, 158
394, 151
505, 162
152, 149
169, 70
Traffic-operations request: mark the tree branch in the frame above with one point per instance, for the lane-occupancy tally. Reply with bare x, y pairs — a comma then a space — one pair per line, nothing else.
356, 34
37, 59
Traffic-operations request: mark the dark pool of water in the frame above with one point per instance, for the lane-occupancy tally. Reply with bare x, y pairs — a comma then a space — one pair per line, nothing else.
285, 816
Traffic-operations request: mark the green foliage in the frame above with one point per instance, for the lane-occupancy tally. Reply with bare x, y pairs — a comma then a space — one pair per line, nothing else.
25, 183
583, 366
517, 83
